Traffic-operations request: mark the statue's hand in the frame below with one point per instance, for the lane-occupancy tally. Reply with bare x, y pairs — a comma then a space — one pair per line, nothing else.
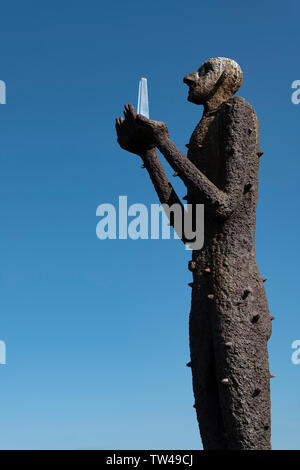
158, 130
132, 136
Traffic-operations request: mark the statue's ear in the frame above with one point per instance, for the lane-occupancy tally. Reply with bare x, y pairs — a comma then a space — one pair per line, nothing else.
218, 83
221, 79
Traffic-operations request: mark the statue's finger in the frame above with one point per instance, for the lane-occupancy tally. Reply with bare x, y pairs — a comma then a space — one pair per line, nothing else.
131, 111
127, 111
118, 122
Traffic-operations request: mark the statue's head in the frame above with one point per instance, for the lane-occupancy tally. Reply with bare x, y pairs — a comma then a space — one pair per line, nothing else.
215, 82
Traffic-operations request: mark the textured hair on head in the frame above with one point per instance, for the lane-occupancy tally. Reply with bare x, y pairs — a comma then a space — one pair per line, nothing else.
234, 71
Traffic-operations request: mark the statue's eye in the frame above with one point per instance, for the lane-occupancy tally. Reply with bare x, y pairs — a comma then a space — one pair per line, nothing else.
204, 70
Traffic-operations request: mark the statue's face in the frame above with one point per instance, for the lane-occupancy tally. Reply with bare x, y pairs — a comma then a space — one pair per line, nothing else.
202, 83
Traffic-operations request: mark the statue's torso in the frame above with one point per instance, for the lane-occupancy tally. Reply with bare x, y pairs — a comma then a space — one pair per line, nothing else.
224, 238
205, 150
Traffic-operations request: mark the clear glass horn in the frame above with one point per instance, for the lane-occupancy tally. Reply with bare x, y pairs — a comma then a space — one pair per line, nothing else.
143, 102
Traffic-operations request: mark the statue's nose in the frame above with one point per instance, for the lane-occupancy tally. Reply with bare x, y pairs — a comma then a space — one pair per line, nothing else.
189, 79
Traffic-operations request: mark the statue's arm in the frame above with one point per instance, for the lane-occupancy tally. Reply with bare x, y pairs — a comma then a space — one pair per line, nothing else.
193, 178
236, 142
161, 183
137, 140
164, 189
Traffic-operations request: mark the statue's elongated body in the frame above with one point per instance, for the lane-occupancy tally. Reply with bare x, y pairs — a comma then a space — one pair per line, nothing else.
229, 322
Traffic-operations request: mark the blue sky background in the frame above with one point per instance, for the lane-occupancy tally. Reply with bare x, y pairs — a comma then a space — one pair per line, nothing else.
97, 331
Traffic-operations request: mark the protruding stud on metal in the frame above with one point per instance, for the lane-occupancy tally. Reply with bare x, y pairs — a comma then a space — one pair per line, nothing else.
259, 154
247, 187
225, 381
207, 270
264, 279
189, 364
228, 344
211, 296
190, 284
272, 376
192, 265
272, 318
185, 198
255, 318
175, 174
246, 293
143, 166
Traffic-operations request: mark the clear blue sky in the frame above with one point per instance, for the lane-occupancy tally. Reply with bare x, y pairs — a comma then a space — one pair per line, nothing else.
97, 331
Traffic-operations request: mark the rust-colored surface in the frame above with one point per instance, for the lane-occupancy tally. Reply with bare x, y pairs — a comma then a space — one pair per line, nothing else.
230, 322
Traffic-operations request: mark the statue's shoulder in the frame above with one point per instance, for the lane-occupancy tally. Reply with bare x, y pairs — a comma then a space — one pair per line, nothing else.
238, 116
238, 104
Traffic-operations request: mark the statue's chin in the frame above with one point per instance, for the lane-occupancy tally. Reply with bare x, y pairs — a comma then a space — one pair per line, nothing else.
193, 99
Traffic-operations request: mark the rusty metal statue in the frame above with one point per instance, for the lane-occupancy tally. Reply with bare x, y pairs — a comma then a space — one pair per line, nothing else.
230, 322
